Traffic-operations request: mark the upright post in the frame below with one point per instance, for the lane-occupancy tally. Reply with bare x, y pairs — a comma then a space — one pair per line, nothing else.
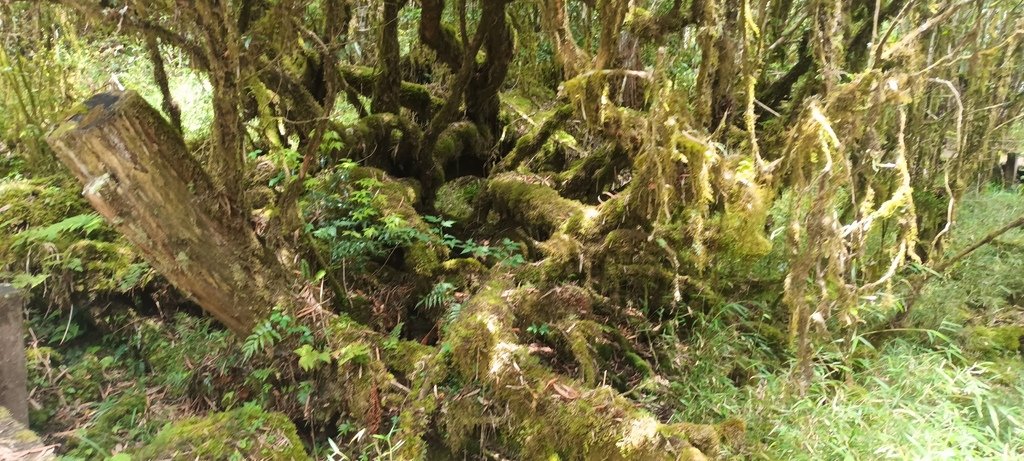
13, 374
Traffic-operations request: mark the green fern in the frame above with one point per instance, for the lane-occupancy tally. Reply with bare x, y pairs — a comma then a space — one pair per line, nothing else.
86, 223
440, 295
452, 314
264, 336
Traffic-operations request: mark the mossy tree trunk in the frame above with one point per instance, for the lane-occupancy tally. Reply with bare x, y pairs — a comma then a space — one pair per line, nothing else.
138, 174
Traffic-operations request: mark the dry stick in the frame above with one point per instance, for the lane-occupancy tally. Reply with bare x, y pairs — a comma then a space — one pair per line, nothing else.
981, 242
918, 282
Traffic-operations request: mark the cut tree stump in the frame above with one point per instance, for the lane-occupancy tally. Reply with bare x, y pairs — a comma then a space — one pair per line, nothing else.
138, 174
19, 443
13, 375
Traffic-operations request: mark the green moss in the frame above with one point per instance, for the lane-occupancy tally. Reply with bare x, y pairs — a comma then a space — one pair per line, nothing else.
406, 356
245, 433
50, 212
11, 430
564, 258
416, 97
580, 336
455, 199
631, 264
36, 203
534, 206
994, 341
463, 272
462, 138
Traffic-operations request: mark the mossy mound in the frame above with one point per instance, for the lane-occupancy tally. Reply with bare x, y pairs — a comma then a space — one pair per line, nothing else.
455, 198
39, 201
994, 341
45, 223
356, 212
244, 433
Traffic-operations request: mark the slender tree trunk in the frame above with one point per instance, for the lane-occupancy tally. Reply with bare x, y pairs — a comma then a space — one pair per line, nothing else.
138, 174
389, 81
482, 103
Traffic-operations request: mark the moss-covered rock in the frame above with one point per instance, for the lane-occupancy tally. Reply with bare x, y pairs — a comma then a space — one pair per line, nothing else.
463, 272
46, 224
244, 433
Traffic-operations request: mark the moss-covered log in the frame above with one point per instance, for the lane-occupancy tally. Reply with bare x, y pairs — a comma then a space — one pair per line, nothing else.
412, 96
528, 145
138, 174
533, 205
594, 174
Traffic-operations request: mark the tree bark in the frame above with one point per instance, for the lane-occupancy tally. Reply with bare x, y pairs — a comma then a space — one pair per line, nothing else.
138, 174
482, 102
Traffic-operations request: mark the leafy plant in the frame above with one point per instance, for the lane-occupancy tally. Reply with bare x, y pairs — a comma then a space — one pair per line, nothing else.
442, 295
541, 330
263, 337
310, 358
343, 215
439, 296
357, 353
505, 252
272, 330
391, 342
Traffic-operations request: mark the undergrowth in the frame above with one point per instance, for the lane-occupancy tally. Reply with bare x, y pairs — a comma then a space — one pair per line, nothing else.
948, 386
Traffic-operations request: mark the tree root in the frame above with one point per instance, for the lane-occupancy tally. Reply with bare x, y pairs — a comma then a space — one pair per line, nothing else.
541, 413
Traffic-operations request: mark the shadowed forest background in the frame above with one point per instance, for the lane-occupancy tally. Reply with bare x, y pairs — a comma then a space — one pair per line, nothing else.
517, 229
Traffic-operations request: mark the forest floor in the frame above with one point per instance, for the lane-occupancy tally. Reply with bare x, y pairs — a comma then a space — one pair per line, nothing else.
951, 386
